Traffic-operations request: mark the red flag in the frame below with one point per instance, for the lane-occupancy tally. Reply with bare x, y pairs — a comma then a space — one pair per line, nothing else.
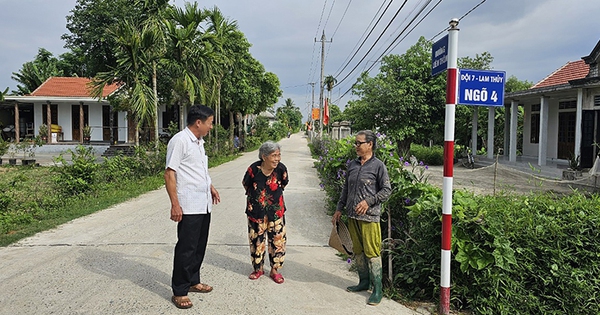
326, 113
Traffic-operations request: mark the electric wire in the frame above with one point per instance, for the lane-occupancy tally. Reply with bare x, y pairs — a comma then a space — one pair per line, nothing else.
343, 16
365, 39
375, 43
394, 42
312, 69
362, 36
463, 16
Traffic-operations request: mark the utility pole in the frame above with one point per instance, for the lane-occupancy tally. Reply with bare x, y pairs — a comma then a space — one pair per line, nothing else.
312, 104
323, 41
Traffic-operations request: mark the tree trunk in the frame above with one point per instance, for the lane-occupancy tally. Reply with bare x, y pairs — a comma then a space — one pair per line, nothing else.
231, 131
218, 116
154, 89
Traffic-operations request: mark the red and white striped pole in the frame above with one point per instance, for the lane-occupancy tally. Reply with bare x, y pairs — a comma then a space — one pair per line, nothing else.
451, 100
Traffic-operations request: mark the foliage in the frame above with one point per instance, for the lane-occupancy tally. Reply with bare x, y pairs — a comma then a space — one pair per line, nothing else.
33, 73
403, 88
429, 155
87, 131
89, 23
512, 254
290, 115
80, 175
28, 147
3, 94
43, 130
513, 84
4, 145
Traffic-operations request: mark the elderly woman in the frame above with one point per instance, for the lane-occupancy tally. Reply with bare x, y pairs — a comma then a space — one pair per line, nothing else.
367, 185
264, 183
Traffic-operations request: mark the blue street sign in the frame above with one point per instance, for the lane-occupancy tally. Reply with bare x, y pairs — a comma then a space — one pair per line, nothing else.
439, 56
481, 87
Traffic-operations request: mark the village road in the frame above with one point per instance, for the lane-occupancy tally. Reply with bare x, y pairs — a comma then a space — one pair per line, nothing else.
119, 260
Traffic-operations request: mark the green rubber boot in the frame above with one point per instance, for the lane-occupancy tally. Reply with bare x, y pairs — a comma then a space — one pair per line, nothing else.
363, 274
376, 274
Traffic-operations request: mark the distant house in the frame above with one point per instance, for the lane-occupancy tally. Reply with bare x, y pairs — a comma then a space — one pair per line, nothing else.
71, 108
562, 114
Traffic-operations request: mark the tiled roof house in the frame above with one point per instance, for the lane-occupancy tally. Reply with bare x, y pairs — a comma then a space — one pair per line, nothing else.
561, 114
71, 108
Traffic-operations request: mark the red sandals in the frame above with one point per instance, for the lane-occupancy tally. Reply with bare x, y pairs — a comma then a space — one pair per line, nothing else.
256, 274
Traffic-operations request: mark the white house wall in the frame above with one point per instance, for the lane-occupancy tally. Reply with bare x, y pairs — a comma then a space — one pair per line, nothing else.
531, 149
65, 120
122, 117
95, 121
588, 98
552, 152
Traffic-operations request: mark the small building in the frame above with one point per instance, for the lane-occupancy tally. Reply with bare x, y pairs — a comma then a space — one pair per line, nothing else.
561, 114
65, 104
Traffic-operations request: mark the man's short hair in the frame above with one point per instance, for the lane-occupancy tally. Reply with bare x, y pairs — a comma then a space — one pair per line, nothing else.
199, 111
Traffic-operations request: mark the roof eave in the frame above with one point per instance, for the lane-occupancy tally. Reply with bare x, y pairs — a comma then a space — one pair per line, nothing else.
53, 99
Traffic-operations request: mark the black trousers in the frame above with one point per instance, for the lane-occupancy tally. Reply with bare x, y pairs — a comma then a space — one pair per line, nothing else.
192, 237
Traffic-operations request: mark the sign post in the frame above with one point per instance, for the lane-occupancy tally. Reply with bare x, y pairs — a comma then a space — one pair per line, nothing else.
451, 94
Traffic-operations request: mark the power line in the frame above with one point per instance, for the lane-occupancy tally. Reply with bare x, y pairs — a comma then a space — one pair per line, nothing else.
365, 39
312, 69
464, 15
376, 41
343, 15
363, 35
394, 41
329, 15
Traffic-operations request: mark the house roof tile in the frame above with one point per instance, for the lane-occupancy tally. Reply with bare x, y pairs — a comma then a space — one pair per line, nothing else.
570, 71
69, 87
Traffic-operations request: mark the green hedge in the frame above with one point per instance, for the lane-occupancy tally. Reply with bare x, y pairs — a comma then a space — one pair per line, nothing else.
532, 254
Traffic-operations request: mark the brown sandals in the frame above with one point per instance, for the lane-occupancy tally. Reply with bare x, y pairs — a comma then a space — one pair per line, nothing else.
200, 288
182, 302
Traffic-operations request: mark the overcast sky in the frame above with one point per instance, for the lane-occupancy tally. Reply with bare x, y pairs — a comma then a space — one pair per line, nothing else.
528, 39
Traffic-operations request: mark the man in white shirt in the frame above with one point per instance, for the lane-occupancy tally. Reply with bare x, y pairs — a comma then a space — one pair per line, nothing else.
192, 194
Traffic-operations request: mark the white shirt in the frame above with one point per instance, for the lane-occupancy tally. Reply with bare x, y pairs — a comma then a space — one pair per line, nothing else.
186, 156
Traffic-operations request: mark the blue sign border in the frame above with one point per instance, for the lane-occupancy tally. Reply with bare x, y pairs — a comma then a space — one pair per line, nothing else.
439, 56
481, 87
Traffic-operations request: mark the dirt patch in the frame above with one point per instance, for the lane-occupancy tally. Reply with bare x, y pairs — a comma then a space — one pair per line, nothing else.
496, 179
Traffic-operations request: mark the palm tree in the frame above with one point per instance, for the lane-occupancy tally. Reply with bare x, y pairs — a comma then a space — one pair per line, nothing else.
3, 94
192, 57
329, 82
224, 31
34, 73
136, 54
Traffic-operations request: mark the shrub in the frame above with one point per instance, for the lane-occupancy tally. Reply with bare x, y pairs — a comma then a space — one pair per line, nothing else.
80, 175
532, 254
429, 155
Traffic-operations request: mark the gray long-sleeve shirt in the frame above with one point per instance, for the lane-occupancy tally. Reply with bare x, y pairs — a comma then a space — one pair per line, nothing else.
369, 181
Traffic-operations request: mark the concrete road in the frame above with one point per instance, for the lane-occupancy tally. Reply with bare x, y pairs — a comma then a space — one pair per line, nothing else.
119, 260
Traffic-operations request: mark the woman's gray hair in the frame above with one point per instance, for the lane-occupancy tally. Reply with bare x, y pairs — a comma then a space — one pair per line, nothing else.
370, 136
268, 148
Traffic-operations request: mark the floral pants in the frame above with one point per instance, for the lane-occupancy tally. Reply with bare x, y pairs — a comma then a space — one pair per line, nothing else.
275, 235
